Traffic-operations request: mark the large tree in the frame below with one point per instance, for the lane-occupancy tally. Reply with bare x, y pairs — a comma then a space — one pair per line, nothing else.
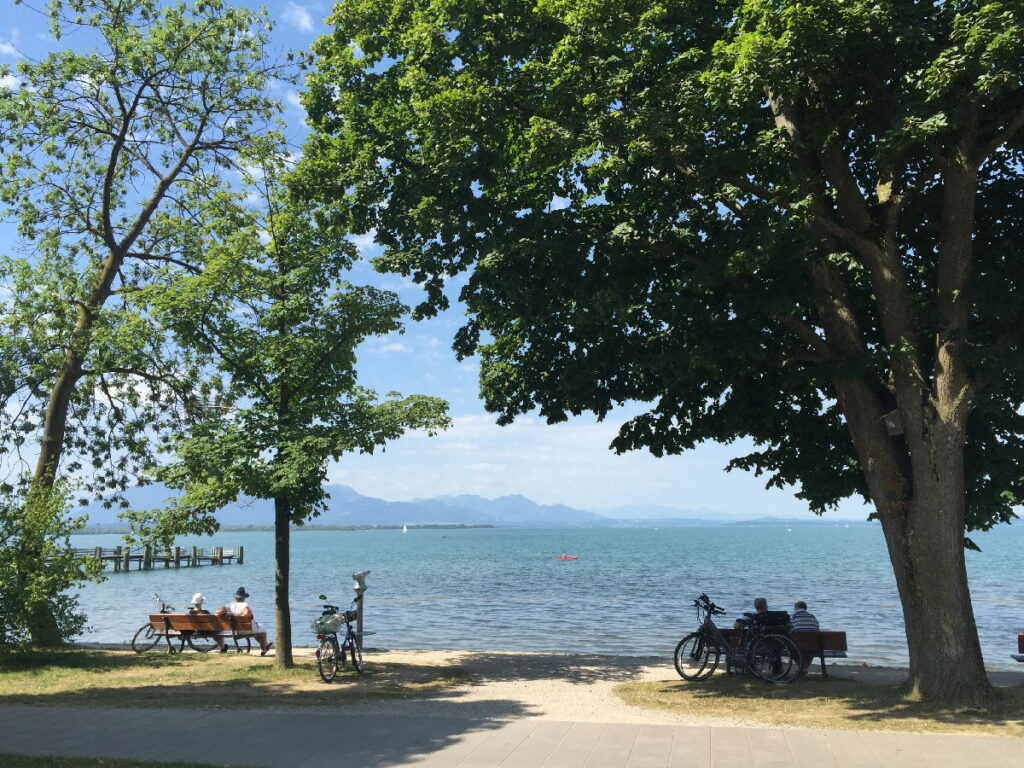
795, 222
110, 159
271, 308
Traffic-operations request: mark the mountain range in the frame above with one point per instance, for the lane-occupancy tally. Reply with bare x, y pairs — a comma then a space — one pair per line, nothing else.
346, 507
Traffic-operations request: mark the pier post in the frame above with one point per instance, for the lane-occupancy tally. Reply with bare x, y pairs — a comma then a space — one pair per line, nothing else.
177, 557
147, 557
241, 555
218, 555
99, 553
195, 556
127, 558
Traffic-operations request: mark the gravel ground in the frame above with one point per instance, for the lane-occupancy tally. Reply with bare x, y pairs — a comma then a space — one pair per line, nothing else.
551, 686
578, 687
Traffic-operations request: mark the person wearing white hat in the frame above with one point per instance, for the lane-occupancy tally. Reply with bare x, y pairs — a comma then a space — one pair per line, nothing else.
197, 607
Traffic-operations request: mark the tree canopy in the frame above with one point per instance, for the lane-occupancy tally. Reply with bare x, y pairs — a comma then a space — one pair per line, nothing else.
111, 158
629, 154
272, 309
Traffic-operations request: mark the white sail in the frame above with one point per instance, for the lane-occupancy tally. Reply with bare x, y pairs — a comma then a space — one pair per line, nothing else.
405, 529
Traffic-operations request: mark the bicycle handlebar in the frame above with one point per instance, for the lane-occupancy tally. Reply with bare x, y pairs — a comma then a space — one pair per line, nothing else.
705, 602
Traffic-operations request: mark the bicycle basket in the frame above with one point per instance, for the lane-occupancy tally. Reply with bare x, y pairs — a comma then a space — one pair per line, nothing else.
329, 623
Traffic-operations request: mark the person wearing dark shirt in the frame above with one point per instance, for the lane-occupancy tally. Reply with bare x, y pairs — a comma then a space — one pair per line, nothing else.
760, 606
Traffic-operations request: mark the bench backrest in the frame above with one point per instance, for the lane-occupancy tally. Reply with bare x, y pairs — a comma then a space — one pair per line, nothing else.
806, 640
809, 640
199, 622
770, 620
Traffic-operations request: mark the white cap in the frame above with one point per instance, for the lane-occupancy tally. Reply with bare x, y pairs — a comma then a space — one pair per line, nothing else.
198, 598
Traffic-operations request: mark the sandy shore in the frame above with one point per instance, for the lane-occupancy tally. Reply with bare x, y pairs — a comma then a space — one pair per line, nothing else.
553, 686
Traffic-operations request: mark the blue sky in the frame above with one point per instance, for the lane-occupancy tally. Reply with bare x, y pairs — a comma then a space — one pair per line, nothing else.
567, 463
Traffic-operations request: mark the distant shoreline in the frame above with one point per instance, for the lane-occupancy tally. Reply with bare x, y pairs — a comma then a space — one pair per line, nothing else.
104, 529
623, 524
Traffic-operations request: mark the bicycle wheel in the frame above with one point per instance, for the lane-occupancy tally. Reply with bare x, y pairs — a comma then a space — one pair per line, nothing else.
775, 659
695, 658
327, 659
357, 654
203, 642
145, 638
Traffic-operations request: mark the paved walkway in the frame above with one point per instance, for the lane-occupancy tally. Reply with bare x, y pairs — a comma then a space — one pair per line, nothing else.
338, 737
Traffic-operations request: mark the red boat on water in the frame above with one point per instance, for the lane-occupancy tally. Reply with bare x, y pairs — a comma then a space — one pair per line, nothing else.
567, 557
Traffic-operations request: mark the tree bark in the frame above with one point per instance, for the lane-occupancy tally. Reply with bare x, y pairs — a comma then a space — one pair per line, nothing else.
921, 506
42, 625
282, 606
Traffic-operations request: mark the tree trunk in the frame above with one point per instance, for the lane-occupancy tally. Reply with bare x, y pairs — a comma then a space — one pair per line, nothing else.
42, 625
916, 483
282, 607
926, 547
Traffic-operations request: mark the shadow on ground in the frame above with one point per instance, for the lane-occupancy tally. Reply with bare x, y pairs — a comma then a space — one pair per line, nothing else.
828, 703
308, 738
92, 678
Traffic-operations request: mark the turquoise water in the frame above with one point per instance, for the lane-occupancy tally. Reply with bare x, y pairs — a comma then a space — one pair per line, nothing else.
629, 593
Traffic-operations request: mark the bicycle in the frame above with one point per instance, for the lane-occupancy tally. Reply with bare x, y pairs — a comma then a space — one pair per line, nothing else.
329, 655
763, 652
146, 637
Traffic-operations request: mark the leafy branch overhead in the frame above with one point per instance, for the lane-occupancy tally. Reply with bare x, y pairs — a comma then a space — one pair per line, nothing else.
112, 158
713, 195
271, 307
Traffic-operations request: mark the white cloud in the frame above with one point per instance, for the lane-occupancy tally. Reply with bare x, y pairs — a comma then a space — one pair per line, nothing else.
365, 242
393, 347
293, 99
298, 16
568, 463
9, 83
7, 49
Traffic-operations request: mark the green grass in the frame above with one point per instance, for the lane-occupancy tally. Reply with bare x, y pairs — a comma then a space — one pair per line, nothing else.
47, 761
828, 703
191, 680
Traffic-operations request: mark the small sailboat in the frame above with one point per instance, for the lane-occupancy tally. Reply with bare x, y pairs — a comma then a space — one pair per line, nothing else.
567, 557
405, 529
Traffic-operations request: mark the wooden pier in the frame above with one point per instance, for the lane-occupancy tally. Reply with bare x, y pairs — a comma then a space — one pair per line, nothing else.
146, 558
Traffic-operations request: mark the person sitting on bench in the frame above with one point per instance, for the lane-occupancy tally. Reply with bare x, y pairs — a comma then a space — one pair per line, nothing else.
804, 621
241, 609
197, 607
760, 606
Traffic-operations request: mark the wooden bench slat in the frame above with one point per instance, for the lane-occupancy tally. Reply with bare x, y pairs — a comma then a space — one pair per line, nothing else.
824, 644
199, 622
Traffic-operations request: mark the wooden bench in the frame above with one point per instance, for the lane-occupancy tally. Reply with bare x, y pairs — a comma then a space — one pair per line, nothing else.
180, 625
1019, 656
824, 644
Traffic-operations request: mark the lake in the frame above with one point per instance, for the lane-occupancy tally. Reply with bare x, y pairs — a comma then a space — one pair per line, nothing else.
630, 592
